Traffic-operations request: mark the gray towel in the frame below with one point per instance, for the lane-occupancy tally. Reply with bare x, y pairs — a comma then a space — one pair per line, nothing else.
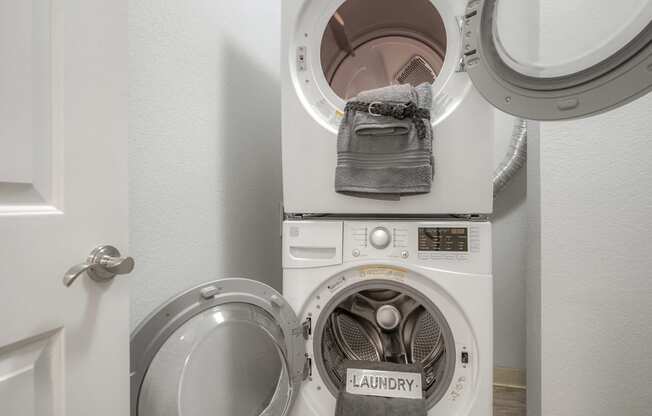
381, 156
356, 405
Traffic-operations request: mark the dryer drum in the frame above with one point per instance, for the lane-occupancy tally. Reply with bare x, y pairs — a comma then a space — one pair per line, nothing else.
370, 44
355, 331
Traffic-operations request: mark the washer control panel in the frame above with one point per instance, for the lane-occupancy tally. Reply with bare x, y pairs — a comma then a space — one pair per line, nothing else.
458, 245
453, 239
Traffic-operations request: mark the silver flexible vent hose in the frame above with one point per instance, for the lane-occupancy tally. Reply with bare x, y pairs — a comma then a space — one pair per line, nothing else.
515, 158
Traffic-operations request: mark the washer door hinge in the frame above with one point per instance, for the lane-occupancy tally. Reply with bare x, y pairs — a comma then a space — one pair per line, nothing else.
307, 368
304, 330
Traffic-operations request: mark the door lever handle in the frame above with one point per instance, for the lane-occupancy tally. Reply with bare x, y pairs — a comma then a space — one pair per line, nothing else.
103, 264
74, 272
119, 265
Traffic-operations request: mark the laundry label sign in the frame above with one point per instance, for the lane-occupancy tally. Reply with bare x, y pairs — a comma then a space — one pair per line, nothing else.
384, 383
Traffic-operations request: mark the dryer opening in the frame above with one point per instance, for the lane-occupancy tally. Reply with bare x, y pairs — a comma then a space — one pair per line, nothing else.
370, 44
385, 323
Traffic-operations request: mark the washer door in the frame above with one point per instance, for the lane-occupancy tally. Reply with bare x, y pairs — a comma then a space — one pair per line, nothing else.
231, 347
594, 56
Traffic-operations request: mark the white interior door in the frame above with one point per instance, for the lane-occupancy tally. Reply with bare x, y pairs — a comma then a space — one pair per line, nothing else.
63, 191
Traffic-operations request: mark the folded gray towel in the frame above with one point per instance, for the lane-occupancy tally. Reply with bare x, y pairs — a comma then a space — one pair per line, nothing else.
349, 404
384, 146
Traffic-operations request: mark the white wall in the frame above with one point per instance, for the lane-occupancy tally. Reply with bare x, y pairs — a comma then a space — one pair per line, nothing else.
595, 264
509, 258
205, 180
533, 273
591, 270
516, 22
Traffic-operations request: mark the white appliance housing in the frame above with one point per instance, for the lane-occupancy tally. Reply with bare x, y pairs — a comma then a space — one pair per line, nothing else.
325, 260
464, 129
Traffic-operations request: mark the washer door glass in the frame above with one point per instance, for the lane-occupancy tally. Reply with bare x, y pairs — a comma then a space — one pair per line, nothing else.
229, 358
559, 59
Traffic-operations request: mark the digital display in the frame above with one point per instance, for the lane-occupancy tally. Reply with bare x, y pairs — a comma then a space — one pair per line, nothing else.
444, 239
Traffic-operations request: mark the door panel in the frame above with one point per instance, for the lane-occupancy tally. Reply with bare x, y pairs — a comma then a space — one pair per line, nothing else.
63, 191
31, 376
597, 56
31, 79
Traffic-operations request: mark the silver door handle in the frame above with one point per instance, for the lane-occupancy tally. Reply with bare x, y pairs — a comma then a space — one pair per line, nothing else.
103, 264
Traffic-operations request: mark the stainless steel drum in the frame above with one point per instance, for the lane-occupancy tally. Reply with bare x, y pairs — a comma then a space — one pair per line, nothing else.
386, 325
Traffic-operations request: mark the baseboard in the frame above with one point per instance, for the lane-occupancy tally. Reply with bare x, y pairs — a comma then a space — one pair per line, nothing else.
510, 377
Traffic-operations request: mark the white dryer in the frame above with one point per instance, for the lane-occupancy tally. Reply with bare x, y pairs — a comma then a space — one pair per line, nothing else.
408, 291
477, 56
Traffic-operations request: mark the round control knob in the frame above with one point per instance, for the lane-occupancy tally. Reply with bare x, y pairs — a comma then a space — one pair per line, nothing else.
380, 238
388, 317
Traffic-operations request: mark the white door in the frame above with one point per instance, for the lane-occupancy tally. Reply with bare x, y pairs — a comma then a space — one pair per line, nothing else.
63, 191
597, 55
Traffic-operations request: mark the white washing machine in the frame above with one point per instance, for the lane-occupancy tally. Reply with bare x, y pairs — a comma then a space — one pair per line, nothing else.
477, 54
402, 291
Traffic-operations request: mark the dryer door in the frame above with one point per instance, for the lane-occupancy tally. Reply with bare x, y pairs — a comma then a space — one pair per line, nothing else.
571, 59
230, 347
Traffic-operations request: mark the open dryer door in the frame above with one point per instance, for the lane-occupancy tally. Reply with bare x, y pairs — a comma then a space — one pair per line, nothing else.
230, 347
597, 57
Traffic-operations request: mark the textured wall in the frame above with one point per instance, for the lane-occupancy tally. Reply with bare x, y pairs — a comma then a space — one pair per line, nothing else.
596, 290
509, 258
592, 237
516, 23
205, 180
533, 272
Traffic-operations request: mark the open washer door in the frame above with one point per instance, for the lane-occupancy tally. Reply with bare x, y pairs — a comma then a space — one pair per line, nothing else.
598, 55
230, 347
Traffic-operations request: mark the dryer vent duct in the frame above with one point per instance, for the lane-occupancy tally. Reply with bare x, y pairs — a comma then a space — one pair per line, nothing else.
515, 158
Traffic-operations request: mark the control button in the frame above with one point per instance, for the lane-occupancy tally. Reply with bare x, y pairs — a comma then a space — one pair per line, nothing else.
356, 253
380, 238
465, 357
405, 254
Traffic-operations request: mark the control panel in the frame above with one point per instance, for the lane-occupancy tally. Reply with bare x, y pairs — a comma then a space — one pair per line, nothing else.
455, 245
453, 239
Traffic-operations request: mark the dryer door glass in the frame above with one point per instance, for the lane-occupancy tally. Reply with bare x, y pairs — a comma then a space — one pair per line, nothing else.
232, 355
560, 59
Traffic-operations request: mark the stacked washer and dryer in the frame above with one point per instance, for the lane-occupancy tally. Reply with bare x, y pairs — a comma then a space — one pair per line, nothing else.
377, 280
387, 280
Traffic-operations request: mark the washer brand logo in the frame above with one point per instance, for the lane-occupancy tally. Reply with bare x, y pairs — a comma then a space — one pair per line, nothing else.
383, 383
